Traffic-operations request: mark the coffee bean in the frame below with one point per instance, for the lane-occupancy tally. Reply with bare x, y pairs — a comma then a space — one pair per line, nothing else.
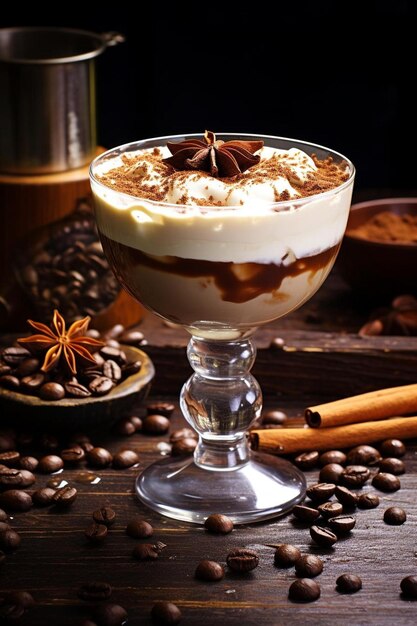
348, 583
10, 382
109, 615
160, 408
105, 515
355, 476
132, 337
50, 464
242, 560
28, 463
65, 497
342, 524
10, 458
392, 448
182, 433
10, 476
165, 614
305, 513
392, 466
348, 498
3, 516
76, 390
307, 460
395, 516
332, 456
184, 447
209, 571
308, 566
15, 500
323, 536
96, 533
73, 455
99, 457
368, 501
386, 482
331, 473
139, 529
286, 555
101, 385
52, 392
14, 355
125, 427
9, 540
115, 354
304, 590
30, 384
148, 551
124, 459
94, 591
330, 509
363, 455
274, 417
28, 367
114, 332
136, 421
218, 524
409, 586
155, 425
4, 369
131, 368
43, 497
112, 370
27, 479
320, 492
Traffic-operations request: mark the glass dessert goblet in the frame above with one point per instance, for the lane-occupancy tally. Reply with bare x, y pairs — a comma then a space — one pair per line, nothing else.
221, 269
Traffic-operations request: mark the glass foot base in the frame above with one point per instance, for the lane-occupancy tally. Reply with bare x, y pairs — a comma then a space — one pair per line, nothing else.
263, 488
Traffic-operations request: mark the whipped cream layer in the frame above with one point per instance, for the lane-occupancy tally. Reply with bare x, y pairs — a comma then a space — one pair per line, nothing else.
240, 224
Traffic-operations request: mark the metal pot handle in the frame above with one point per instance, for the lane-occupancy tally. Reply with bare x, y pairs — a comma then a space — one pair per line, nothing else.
112, 38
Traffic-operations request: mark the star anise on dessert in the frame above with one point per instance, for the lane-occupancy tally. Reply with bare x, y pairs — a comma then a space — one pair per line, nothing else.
399, 319
220, 158
61, 346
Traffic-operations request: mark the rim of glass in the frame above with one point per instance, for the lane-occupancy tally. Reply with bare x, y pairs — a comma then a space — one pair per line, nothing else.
282, 203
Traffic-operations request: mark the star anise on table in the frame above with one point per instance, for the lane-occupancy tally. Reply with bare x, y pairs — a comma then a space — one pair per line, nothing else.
70, 347
399, 319
219, 158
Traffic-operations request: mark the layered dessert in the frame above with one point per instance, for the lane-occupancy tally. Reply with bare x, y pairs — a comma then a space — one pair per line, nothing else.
221, 236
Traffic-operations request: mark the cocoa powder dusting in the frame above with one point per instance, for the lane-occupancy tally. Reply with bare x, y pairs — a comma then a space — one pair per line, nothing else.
388, 227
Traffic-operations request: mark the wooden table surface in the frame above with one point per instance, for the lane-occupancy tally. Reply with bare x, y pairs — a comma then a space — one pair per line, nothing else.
54, 557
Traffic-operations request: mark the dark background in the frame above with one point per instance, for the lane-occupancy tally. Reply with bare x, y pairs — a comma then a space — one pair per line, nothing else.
339, 74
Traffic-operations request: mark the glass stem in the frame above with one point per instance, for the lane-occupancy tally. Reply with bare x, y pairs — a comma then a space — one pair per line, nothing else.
221, 400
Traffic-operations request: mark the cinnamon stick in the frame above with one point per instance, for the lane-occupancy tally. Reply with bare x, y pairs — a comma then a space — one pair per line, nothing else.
288, 440
366, 407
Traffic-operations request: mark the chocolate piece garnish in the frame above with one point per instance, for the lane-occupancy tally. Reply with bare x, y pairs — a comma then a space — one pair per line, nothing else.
219, 158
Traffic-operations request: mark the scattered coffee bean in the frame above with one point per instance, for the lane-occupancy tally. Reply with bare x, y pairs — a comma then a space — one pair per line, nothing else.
330, 509
348, 583
155, 425
307, 460
218, 524
348, 498
136, 421
9, 540
105, 515
331, 473
392, 466
409, 586
274, 417
10, 382
114, 332
125, 427
15, 500
74, 389
50, 463
182, 433
43, 497
15, 355
148, 551
124, 459
115, 354
209, 571
100, 386
165, 614
112, 370
3, 516
363, 455
342, 524
96, 533
27, 479
73, 455
368, 501
308, 566
392, 448
31, 384
52, 392
10, 477
110, 615
286, 555
332, 456
242, 560
10, 459
94, 591
323, 536
132, 337
304, 590
65, 497
165, 409
28, 463
395, 516
386, 482
355, 476
28, 367
184, 447
131, 368
305, 513
139, 529
320, 492
99, 457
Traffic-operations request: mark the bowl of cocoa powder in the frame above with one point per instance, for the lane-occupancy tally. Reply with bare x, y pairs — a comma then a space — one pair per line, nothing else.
379, 252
